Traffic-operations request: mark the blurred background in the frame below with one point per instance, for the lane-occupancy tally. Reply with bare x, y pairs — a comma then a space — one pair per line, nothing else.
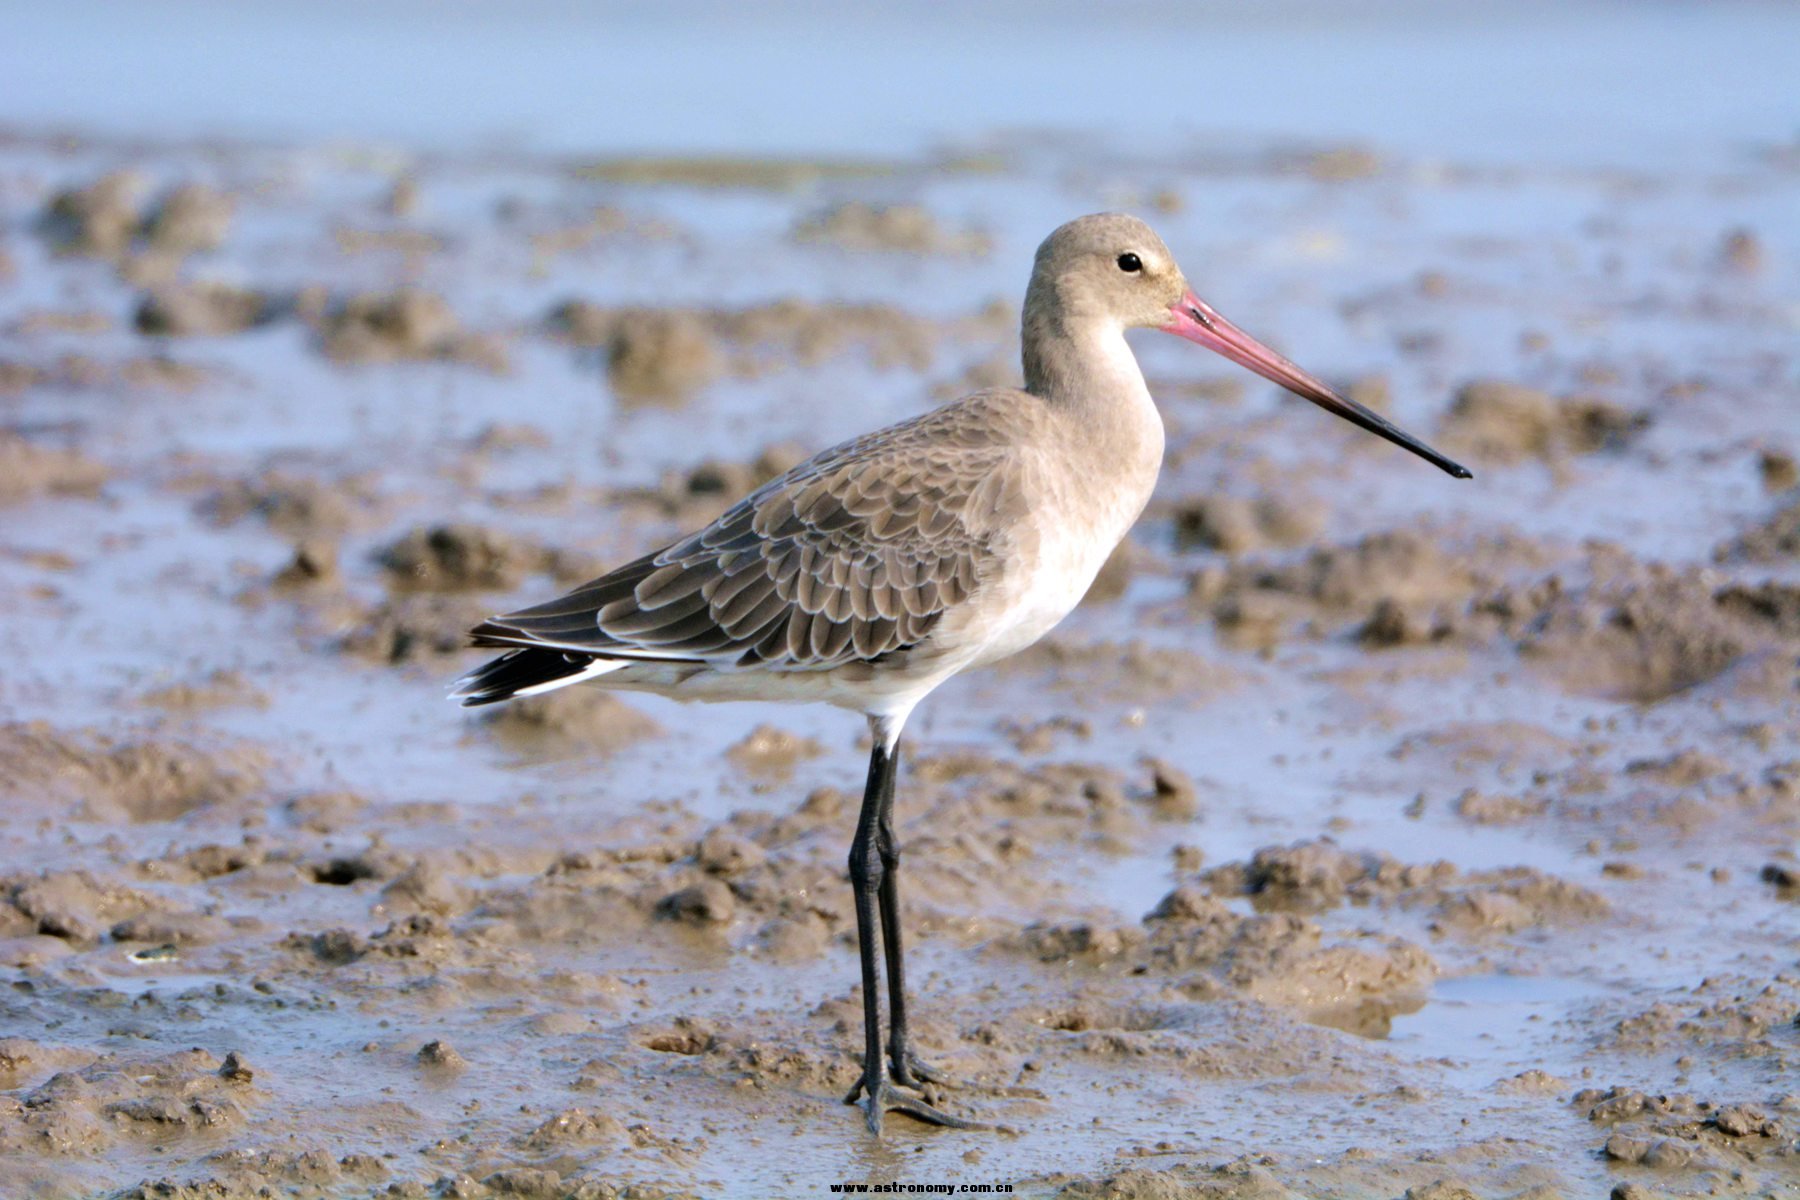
1592, 83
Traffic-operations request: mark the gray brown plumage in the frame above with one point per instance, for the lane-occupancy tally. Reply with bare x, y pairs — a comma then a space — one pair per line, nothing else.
871, 573
854, 556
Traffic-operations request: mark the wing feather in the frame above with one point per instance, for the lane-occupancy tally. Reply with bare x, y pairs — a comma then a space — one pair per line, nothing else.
855, 554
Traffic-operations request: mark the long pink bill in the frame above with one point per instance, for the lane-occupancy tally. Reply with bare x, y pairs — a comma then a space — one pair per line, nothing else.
1196, 321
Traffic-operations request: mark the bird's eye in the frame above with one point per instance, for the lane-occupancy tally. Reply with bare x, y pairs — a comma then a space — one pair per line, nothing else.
1130, 263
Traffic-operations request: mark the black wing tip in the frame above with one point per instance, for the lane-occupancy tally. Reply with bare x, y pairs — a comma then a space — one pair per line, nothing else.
519, 669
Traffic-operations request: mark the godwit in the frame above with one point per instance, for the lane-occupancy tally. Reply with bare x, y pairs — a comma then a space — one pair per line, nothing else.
876, 570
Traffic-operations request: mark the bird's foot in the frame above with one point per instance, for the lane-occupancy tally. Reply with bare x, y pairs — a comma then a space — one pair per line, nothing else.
910, 1072
907, 1071
886, 1098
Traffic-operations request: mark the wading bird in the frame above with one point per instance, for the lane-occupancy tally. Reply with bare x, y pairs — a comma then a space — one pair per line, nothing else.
876, 570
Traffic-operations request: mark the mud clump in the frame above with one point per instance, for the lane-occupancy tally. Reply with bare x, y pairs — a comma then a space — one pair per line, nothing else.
708, 902
1313, 876
752, 342
407, 325
201, 310
314, 564
104, 220
114, 1101
702, 493
902, 228
1402, 585
415, 627
190, 219
1514, 899
1499, 422
1777, 469
464, 558
301, 506
28, 469
220, 689
72, 905
1774, 539
441, 1055
108, 779
1642, 634
571, 720
772, 754
1234, 525
99, 220
660, 355
1402, 566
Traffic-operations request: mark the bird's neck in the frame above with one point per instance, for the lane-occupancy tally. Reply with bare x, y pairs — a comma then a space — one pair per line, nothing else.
1086, 367
1086, 374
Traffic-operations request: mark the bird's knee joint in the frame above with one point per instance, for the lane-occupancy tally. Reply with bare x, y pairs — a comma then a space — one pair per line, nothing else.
866, 867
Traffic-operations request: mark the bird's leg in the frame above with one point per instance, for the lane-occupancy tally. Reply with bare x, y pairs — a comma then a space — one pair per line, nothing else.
868, 874
908, 1071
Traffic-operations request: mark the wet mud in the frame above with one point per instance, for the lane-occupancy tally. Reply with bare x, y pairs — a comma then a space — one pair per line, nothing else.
1363, 834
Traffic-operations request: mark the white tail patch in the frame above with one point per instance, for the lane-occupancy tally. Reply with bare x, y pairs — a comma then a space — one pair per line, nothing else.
600, 666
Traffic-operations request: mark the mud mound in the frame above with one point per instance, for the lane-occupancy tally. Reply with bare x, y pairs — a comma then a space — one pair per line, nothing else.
904, 228
413, 627
301, 506
772, 754
1235, 525
1357, 983
99, 220
460, 558
1398, 586
203, 309
1774, 539
72, 905
572, 720
118, 1100
220, 689
697, 495
812, 333
660, 355
190, 219
383, 327
1494, 421
1640, 634
101, 778
1314, 876
28, 469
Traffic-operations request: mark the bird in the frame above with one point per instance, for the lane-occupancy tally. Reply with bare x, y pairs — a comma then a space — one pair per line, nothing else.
879, 568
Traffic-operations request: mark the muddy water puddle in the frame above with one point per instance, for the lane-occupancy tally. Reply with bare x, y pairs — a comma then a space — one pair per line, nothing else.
1362, 831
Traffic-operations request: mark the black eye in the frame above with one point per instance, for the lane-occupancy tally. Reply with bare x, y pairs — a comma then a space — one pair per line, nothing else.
1130, 263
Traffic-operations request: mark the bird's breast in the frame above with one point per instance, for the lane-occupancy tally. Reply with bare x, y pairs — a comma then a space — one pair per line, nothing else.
1082, 510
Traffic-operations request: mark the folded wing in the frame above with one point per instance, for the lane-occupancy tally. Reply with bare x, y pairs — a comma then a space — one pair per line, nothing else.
854, 555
